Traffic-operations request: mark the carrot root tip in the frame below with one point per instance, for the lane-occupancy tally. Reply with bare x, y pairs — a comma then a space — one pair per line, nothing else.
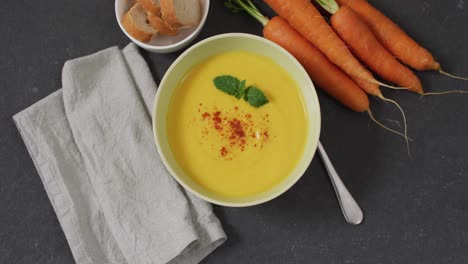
391, 86
374, 119
404, 120
441, 71
444, 93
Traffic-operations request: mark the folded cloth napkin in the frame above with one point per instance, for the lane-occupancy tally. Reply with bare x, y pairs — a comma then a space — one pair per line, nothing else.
93, 147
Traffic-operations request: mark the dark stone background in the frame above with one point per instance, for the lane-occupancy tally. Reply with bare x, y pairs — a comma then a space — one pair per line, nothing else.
415, 207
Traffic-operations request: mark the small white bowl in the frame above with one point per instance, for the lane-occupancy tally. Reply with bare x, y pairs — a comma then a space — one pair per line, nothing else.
164, 44
199, 53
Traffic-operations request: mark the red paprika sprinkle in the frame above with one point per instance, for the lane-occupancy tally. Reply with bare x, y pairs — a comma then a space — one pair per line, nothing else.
205, 115
217, 120
236, 129
223, 151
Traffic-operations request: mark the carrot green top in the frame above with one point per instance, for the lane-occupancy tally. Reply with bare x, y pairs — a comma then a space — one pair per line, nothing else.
249, 7
330, 5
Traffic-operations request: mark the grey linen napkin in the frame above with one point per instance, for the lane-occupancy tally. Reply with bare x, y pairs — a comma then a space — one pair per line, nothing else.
93, 147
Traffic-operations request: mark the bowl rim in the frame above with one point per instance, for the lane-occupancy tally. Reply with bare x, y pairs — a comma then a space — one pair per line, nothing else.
172, 46
315, 142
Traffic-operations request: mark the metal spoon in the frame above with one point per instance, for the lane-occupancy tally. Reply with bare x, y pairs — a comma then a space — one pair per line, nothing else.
351, 210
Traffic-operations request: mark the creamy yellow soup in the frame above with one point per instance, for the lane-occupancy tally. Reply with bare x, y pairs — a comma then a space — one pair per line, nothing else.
228, 146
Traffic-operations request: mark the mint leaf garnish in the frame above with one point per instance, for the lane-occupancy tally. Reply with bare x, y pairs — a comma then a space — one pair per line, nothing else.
241, 91
233, 86
228, 84
255, 97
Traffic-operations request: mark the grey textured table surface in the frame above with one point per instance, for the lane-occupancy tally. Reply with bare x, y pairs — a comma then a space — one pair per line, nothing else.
416, 207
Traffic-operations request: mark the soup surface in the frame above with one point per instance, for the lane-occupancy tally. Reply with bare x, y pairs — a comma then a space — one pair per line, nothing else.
228, 146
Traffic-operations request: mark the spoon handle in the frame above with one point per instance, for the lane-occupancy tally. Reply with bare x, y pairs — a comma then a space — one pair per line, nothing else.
351, 210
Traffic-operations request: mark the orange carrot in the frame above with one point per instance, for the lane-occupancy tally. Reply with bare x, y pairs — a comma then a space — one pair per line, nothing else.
394, 39
354, 31
322, 71
356, 34
306, 19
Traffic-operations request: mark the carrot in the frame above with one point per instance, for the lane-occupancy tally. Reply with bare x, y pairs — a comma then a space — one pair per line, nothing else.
364, 44
394, 39
355, 32
326, 74
322, 71
306, 19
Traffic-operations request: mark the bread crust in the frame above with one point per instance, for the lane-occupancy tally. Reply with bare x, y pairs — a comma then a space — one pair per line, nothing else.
131, 28
151, 7
159, 25
168, 14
